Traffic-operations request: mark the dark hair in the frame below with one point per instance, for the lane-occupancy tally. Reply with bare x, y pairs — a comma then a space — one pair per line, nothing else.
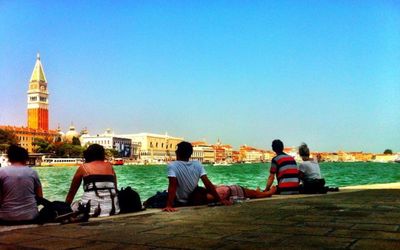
304, 150
94, 152
17, 154
184, 150
277, 146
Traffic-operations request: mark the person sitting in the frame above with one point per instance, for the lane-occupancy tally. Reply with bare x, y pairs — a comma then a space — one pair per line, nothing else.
99, 184
183, 176
19, 187
285, 168
310, 173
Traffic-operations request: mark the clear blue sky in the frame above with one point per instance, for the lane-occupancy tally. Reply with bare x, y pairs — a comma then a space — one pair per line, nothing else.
247, 72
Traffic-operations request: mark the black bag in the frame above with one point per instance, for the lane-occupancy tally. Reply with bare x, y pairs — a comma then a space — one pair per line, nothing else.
129, 200
159, 200
315, 186
52, 210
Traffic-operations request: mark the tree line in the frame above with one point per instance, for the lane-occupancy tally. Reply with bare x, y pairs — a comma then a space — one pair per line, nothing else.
54, 148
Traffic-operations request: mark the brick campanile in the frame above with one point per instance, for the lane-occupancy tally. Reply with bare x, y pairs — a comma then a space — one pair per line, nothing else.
38, 102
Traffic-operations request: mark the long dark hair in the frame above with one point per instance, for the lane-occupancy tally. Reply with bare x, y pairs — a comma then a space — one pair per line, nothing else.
94, 152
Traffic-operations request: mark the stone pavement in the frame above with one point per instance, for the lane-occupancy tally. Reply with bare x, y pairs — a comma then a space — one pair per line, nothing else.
356, 219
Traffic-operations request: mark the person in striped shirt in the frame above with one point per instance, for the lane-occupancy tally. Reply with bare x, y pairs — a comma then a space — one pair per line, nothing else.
285, 169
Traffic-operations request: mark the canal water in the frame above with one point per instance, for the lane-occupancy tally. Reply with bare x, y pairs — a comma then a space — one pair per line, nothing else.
149, 179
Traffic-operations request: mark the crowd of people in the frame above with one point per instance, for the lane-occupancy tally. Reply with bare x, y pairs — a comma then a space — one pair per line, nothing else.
20, 186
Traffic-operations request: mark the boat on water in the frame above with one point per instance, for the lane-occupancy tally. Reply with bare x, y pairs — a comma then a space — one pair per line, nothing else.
61, 162
118, 161
223, 163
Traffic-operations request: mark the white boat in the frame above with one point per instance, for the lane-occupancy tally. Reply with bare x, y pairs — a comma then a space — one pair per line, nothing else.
4, 161
223, 163
61, 162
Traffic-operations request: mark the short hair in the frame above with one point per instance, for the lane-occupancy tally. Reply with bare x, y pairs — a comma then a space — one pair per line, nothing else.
304, 150
17, 154
184, 150
277, 146
94, 152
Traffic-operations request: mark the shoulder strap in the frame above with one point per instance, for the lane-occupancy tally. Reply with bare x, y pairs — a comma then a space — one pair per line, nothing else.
84, 168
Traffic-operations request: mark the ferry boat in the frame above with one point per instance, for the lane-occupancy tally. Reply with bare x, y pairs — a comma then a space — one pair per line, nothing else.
222, 163
118, 161
61, 162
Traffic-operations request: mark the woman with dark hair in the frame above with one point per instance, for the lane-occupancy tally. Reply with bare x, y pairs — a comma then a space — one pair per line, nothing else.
19, 186
99, 184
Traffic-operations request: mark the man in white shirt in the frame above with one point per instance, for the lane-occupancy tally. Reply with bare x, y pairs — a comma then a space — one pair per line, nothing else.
184, 175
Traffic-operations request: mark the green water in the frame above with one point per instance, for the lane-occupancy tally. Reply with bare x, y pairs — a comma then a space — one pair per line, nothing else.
149, 179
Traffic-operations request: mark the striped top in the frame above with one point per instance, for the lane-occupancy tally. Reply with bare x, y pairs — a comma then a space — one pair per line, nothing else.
287, 173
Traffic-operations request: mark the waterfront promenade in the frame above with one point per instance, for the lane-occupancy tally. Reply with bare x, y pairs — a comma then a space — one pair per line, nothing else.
363, 217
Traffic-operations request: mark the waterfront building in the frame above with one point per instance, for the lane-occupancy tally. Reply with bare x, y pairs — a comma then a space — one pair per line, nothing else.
37, 111
251, 154
236, 156
361, 157
109, 141
154, 148
27, 136
203, 152
268, 155
345, 157
385, 157
223, 152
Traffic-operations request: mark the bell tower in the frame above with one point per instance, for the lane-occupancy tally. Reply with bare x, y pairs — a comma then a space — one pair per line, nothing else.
38, 112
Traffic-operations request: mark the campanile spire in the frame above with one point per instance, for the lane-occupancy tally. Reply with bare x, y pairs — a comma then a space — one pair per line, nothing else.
38, 112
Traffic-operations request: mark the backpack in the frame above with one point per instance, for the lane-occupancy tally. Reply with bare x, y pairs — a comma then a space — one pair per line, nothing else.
52, 210
159, 200
129, 200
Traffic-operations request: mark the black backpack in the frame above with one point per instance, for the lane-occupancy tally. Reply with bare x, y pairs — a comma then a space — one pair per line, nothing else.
129, 200
51, 210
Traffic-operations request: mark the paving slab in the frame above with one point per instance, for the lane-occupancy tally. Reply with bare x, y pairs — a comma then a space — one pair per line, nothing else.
353, 219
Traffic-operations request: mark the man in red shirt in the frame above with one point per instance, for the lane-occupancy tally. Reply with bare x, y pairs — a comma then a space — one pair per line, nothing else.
285, 168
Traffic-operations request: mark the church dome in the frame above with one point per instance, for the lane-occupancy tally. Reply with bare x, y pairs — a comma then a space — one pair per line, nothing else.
71, 134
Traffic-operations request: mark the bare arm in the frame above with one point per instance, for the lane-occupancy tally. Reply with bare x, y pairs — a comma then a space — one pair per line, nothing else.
172, 186
301, 175
211, 188
270, 180
39, 192
75, 184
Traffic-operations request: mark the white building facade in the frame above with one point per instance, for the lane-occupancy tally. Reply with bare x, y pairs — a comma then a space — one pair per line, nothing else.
154, 148
109, 141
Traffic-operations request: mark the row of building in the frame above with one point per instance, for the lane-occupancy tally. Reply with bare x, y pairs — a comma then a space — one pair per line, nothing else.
146, 147
158, 148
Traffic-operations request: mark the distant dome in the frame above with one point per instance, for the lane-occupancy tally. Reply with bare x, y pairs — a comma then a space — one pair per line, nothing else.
61, 135
71, 134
